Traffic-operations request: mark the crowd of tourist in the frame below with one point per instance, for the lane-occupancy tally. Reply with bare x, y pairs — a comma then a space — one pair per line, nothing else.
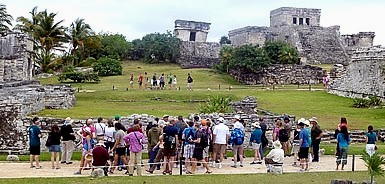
156, 82
110, 145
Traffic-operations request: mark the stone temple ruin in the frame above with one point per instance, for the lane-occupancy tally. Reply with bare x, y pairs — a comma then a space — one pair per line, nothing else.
20, 94
195, 52
301, 27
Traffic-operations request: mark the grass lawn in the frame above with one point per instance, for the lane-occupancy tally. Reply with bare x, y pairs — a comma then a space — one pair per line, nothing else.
314, 178
98, 99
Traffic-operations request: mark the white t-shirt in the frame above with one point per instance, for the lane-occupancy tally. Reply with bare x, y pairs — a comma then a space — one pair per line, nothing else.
99, 128
277, 155
109, 134
221, 131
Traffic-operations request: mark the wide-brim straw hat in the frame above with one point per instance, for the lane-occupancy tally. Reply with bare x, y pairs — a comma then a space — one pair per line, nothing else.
256, 125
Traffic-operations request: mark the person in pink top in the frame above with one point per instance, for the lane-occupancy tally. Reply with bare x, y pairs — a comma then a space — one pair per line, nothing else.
135, 139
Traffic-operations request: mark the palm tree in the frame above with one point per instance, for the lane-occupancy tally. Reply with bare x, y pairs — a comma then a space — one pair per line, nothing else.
374, 164
5, 19
47, 34
79, 32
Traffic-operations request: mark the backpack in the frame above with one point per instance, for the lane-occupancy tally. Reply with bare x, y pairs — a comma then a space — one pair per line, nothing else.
169, 142
283, 135
204, 139
237, 136
191, 135
189, 80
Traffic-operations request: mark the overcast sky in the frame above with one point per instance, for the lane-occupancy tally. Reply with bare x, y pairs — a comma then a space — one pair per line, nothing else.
136, 18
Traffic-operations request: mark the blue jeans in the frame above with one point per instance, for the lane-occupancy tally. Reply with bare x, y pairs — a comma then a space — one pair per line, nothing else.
261, 151
153, 155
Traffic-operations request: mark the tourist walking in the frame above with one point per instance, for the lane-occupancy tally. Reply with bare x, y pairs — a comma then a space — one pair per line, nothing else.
159, 156
136, 140
140, 81
316, 135
189, 137
221, 135
87, 142
201, 142
109, 138
175, 82
296, 145
54, 147
34, 143
304, 147
170, 145
153, 138
100, 126
189, 82
119, 147
147, 80
264, 140
68, 138
154, 82
161, 81
132, 81
237, 138
343, 141
277, 127
371, 139
255, 142
169, 81
285, 134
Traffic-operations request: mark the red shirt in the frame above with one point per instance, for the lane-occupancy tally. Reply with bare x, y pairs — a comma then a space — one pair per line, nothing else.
100, 156
132, 130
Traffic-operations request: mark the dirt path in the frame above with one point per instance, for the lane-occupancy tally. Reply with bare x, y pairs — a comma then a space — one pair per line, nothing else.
22, 170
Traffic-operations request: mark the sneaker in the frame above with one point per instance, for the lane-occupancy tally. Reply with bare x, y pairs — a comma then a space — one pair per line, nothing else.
213, 164
77, 173
259, 162
63, 162
219, 165
69, 163
235, 166
253, 163
241, 165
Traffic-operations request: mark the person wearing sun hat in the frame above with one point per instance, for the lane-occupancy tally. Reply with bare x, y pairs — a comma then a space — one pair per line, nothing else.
316, 135
255, 142
100, 156
275, 156
68, 138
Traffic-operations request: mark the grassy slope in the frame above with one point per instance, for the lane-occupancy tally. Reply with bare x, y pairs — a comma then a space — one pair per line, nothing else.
285, 99
314, 178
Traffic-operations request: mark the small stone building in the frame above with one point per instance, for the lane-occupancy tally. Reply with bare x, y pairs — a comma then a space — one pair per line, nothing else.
191, 30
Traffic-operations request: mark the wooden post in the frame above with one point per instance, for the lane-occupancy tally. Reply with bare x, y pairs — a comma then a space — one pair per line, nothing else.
219, 87
353, 160
113, 87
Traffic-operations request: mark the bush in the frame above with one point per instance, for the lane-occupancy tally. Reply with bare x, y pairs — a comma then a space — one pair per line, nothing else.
108, 67
215, 104
366, 103
87, 62
79, 77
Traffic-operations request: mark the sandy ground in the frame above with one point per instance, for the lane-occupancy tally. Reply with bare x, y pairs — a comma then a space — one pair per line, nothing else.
22, 169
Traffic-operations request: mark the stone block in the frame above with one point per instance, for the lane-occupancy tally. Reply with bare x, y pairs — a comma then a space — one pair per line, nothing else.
12, 158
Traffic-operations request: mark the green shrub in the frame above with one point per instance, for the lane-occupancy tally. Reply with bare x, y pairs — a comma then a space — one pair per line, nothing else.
360, 103
108, 67
87, 62
374, 164
79, 77
216, 104
365, 103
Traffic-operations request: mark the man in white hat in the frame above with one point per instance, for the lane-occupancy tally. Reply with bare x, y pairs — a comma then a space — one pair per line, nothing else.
221, 134
255, 142
275, 156
316, 135
68, 138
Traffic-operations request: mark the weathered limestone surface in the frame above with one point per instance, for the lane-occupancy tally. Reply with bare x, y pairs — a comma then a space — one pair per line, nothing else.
281, 74
301, 28
20, 94
198, 54
364, 76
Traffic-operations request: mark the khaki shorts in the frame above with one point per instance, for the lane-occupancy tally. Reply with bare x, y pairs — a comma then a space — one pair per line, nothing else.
220, 148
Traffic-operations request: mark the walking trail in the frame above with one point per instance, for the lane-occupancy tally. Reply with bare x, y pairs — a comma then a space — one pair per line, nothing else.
22, 169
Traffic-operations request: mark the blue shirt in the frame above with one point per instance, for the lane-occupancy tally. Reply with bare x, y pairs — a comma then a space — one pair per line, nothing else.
342, 142
256, 136
304, 135
186, 133
34, 139
371, 137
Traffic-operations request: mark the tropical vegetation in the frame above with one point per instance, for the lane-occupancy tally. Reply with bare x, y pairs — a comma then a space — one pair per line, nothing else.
5, 19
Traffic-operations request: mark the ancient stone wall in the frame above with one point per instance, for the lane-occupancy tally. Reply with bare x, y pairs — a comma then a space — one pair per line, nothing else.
281, 74
364, 76
198, 54
15, 59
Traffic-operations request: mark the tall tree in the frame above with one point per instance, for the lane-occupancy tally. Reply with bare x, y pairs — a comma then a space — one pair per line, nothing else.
5, 19
79, 32
48, 35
